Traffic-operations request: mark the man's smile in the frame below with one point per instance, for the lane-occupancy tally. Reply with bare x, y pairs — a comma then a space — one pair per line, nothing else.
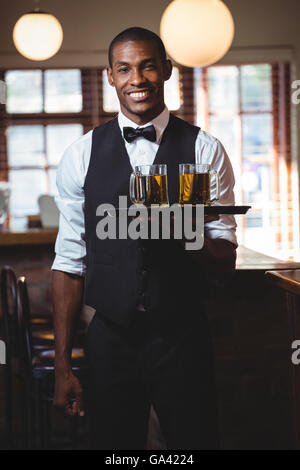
139, 95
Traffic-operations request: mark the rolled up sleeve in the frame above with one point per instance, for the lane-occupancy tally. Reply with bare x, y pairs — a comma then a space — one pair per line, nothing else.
210, 150
70, 246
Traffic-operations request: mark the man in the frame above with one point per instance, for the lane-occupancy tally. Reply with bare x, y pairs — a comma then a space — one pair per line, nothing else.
149, 341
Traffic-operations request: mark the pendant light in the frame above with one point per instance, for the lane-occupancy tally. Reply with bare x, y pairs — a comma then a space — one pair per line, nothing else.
38, 35
197, 32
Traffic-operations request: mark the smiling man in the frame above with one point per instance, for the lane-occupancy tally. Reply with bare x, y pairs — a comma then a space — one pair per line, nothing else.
149, 341
138, 73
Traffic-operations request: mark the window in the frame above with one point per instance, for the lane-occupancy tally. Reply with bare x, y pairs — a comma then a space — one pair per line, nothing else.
43, 117
35, 91
33, 155
243, 107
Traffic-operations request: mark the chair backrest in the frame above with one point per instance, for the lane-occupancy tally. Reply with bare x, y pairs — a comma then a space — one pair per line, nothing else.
9, 308
49, 211
25, 339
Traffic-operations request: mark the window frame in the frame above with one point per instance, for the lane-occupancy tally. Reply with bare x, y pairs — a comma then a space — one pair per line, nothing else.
281, 117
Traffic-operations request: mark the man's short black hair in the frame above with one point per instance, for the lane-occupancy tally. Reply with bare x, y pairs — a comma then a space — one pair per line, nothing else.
137, 34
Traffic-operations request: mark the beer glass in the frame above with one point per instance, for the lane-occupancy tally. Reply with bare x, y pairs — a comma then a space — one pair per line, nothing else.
149, 185
195, 184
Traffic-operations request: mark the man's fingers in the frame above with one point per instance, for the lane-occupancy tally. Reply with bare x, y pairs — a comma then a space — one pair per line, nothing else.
60, 403
211, 218
74, 407
69, 409
63, 405
79, 402
71, 406
68, 395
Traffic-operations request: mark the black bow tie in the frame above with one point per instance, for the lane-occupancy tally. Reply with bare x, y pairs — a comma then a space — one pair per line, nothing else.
130, 134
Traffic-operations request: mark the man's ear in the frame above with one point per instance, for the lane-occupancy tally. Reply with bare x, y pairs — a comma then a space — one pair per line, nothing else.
110, 76
168, 69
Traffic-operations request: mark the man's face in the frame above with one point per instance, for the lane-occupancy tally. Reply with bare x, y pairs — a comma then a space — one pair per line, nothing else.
138, 74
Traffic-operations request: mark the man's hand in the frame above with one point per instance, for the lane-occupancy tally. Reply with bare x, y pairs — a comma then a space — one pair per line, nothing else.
211, 218
68, 394
67, 291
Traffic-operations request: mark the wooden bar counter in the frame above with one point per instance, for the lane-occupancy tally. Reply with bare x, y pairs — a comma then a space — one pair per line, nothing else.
34, 236
250, 334
289, 282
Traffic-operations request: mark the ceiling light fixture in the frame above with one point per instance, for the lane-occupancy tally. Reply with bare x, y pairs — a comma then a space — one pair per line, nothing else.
197, 32
38, 35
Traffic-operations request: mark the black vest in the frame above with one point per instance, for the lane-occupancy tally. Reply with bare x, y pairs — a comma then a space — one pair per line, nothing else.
124, 273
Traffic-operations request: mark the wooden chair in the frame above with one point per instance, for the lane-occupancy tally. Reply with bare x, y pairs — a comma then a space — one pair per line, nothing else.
10, 334
9, 328
38, 375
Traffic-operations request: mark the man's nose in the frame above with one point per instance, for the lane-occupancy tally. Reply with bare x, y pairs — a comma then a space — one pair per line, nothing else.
137, 77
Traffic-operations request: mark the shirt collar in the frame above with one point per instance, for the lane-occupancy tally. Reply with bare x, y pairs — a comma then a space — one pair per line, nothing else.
160, 123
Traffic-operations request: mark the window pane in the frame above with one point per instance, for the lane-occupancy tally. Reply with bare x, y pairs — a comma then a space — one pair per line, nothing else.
257, 183
222, 89
258, 135
260, 222
27, 186
63, 91
256, 86
172, 93
52, 182
25, 145
226, 129
59, 137
24, 91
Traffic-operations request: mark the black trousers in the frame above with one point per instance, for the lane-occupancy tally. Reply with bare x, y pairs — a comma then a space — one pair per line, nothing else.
134, 367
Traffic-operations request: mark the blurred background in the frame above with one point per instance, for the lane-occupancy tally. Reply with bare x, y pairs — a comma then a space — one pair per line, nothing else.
245, 100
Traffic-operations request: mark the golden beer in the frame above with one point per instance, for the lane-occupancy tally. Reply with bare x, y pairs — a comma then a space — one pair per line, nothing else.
194, 188
153, 189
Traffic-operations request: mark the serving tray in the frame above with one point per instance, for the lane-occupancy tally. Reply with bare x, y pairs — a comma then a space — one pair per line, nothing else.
208, 210
218, 210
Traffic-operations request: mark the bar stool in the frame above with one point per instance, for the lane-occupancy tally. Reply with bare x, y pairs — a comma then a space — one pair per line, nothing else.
8, 290
38, 376
10, 333
8, 303
41, 325
289, 281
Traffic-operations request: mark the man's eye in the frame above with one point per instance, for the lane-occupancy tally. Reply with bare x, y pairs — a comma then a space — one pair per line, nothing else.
123, 69
149, 67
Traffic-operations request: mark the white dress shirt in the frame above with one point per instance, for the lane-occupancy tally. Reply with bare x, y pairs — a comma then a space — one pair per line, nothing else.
70, 247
